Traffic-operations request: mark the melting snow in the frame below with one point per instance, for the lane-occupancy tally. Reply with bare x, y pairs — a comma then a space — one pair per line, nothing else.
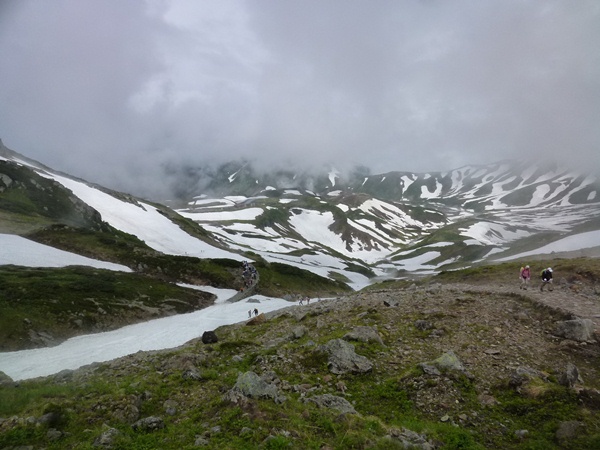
567, 244
19, 251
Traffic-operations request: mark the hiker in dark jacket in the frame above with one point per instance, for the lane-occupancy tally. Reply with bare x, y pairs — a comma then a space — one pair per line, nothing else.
546, 279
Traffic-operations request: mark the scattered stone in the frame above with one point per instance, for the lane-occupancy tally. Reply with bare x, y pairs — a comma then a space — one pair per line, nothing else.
430, 369
523, 374
329, 401
411, 439
580, 330
107, 438
53, 434
343, 358
299, 332
257, 320
148, 424
423, 325
250, 385
51, 419
170, 407
201, 442
521, 434
448, 362
590, 398
487, 400
209, 337
191, 374
364, 334
570, 376
568, 430
5, 380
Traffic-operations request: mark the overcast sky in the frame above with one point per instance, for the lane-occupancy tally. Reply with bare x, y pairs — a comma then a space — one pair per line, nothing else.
112, 90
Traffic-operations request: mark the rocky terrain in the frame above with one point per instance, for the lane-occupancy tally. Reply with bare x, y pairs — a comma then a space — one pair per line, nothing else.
427, 365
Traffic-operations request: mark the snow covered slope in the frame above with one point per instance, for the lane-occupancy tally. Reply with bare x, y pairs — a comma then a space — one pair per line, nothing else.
356, 226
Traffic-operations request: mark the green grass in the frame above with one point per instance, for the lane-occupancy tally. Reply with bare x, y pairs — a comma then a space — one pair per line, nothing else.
64, 301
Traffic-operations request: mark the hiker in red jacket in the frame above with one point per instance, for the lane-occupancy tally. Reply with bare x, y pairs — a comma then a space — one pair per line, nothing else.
525, 276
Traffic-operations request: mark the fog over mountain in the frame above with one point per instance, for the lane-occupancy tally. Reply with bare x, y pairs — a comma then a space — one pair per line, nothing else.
134, 94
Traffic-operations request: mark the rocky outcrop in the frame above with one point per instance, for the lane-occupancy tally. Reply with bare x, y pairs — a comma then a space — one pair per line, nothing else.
343, 358
364, 334
250, 385
148, 424
581, 330
330, 401
209, 337
447, 363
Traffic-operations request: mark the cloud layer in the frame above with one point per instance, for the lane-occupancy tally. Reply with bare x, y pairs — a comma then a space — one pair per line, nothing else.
113, 91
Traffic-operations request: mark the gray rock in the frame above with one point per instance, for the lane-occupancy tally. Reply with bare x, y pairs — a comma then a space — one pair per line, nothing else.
423, 325
148, 424
343, 358
329, 401
299, 332
410, 439
53, 434
570, 376
521, 434
200, 442
580, 330
170, 407
5, 380
50, 419
107, 438
448, 362
250, 385
209, 337
430, 369
364, 334
568, 430
191, 374
524, 374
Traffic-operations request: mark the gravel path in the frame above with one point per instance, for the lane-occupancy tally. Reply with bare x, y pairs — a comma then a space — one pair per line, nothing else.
583, 302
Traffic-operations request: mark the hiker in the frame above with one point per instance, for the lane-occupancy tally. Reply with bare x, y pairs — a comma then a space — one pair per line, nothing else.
546, 279
301, 301
525, 276
255, 311
249, 313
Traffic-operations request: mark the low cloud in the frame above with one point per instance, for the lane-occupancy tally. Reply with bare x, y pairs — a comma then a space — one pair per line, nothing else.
120, 93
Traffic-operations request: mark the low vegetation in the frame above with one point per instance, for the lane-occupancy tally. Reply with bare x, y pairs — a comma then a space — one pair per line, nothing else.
401, 400
44, 306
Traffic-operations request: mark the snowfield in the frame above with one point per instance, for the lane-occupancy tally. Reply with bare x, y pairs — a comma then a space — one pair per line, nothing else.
18, 251
168, 332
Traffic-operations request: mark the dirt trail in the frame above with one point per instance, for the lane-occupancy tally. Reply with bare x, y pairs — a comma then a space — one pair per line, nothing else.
584, 304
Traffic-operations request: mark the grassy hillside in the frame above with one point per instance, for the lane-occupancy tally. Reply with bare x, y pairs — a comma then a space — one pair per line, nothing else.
46, 306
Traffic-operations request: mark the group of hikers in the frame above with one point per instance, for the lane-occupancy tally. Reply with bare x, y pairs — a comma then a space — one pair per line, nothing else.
525, 277
249, 275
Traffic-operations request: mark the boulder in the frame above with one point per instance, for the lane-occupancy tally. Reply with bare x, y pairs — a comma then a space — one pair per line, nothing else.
330, 401
5, 380
580, 330
364, 334
257, 320
107, 438
570, 376
343, 358
209, 337
250, 385
448, 362
148, 424
568, 430
524, 374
